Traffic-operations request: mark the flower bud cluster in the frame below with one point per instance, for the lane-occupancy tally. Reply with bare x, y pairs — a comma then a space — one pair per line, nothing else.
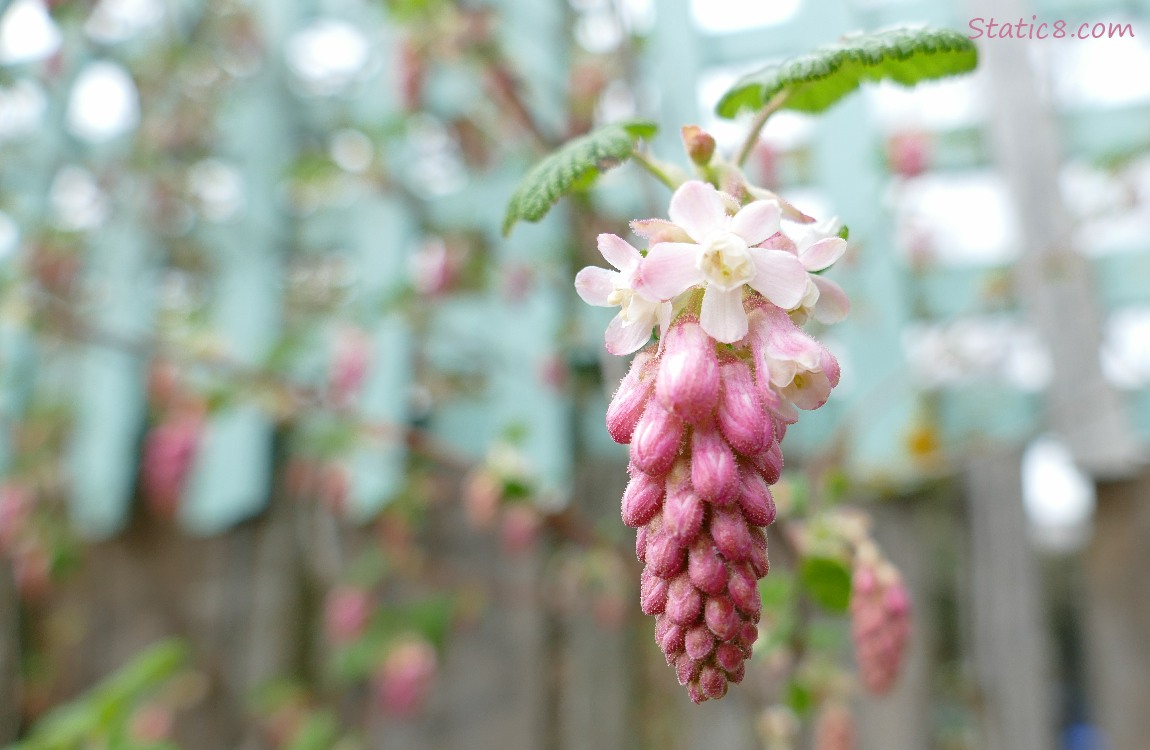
880, 620
704, 427
704, 410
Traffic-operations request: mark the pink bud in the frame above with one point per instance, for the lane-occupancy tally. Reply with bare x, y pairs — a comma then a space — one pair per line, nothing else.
695, 693
741, 417
706, 568
652, 593
770, 462
683, 601
730, 532
688, 380
699, 643
700, 144
670, 636
641, 544
755, 500
736, 676
748, 634
655, 443
743, 588
714, 472
683, 515
630, 399
641, 500
759, 562
686, 669
713, 682
721, 617
729, 657
665, 555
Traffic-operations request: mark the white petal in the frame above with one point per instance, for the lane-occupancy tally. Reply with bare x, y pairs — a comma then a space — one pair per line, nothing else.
623, 338
757, 221
595, 284
823, 253
668, 270
723, 316
619, 252
833, 304
779, 276
698, 208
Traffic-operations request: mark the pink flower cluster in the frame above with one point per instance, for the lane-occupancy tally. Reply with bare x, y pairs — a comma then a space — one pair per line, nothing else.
880, 622
704, 411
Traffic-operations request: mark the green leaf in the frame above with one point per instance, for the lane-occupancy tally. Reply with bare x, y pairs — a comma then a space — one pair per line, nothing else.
827, 581
319, 733
817, 80
574, 165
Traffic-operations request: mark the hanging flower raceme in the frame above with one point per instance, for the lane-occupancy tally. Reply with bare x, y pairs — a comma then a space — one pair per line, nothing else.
704, 411
880, 619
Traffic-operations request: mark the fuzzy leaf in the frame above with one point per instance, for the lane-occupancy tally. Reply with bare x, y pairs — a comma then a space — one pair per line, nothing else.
574, 165
817, 80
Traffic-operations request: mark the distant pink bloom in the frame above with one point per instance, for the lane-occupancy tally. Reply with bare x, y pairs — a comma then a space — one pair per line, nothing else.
723, 258
350, 362
404, 678
638, 311
433, 268
169, 454
880, 623
346, 611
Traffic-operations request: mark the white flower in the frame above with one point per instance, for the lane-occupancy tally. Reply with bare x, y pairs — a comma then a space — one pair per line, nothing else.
638, 313
723, 258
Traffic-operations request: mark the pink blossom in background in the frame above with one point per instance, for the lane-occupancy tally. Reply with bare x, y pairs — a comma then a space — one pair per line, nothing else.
404, 678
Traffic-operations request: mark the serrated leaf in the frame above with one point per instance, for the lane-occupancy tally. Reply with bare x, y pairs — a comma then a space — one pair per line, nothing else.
817, 80
827, 581
574, 165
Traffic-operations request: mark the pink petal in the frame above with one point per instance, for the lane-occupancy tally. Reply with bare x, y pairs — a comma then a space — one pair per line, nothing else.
756, 222
833, 304
723, 316
626, 338
698, 208
594, 285
669, 269
779, 276
659, 230
619, 252
823, 253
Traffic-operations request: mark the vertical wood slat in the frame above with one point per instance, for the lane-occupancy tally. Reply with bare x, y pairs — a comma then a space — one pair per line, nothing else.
901, 719
381, 235
1012, 657
1117, 613
1053, 281
231, 477
109, 400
